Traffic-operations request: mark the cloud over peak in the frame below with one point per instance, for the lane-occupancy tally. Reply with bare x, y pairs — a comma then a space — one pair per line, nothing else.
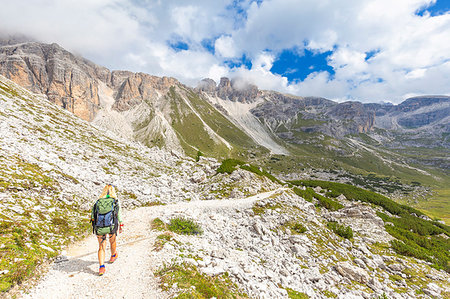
369, 50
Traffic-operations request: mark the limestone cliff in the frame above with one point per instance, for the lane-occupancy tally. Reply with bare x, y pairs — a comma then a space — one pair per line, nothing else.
68, 81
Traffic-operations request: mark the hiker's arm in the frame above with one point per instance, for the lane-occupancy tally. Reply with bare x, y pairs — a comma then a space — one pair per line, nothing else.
119, 217
119, 214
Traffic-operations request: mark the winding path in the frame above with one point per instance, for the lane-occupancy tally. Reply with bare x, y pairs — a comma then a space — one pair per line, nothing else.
131, 276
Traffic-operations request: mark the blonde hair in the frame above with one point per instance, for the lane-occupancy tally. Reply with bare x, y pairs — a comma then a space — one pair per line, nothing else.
108, 190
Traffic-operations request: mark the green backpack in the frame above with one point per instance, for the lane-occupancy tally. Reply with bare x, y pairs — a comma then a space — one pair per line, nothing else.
105, 213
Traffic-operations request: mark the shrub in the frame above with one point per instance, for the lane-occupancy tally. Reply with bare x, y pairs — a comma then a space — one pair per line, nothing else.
199, 154
415, 236
341, 230
228, 166
434, 249
325, 202
184, 226
297, 227
194, 284
307, 194
161, 240
259, 171
158, 224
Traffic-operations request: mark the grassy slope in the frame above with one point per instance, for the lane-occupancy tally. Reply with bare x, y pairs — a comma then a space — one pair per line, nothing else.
193, 135
190, 129
313, 153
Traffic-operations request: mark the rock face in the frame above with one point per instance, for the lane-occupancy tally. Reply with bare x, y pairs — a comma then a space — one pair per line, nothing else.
233, 90
138, 87
69, 81
215, 118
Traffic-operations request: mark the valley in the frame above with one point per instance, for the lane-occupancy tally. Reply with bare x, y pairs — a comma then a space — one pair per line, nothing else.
294, 197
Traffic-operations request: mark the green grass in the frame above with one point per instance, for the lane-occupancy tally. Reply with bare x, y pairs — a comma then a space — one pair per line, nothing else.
323, 201
158, 224
230, 165
219, 123
259, 210
184, 226
341, 230
419, 240
193, 284
438, 205
191, 130
295, 227
161, 240
292, 294
199, 154
415, 236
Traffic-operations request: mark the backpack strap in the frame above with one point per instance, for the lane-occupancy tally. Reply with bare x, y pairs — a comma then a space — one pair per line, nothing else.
116, 215
94, 221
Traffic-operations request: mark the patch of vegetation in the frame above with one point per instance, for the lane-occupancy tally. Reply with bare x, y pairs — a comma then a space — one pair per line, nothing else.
307, 194
261, 172
199, 154
323, 201
191, 130
355, 194
230, 165
184, 226
258, 209
158, 224
292, 294
295, 227
193, 284
129, 194
417, 237
30, 236
416, 241
161, 240
340, 230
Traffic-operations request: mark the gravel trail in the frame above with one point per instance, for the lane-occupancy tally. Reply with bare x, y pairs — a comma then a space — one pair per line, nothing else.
131, 276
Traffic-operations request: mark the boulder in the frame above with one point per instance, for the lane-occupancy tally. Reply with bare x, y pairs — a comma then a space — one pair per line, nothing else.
352, 272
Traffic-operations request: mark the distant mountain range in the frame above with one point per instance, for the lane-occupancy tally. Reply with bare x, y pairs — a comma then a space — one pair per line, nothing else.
232, 118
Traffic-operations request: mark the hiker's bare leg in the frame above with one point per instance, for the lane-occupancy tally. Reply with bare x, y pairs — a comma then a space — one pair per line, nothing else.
112, 242
101, 249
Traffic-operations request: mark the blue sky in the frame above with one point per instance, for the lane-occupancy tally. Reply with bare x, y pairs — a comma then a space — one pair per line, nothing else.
366, 50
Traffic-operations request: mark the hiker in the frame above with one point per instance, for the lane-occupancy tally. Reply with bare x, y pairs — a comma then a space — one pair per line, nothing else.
106, 219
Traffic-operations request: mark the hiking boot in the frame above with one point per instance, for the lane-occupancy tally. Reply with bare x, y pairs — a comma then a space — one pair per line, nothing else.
101, 270
113, 258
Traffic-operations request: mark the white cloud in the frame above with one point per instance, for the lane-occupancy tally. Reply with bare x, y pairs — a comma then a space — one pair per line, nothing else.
225, 47
413, 52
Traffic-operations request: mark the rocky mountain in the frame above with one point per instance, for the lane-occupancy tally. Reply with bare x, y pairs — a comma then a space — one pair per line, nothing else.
256, 236
286, 115
235, 119
67, 80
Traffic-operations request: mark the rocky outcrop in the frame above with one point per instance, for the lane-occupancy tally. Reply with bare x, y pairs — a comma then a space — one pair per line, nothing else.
138, 87
352, 272
236, 90
69, 81
361, 120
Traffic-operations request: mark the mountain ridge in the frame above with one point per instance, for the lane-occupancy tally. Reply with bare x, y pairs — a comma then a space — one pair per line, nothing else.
231, 118
270, 240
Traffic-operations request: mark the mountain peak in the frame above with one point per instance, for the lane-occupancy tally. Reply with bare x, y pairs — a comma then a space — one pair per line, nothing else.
236, 89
